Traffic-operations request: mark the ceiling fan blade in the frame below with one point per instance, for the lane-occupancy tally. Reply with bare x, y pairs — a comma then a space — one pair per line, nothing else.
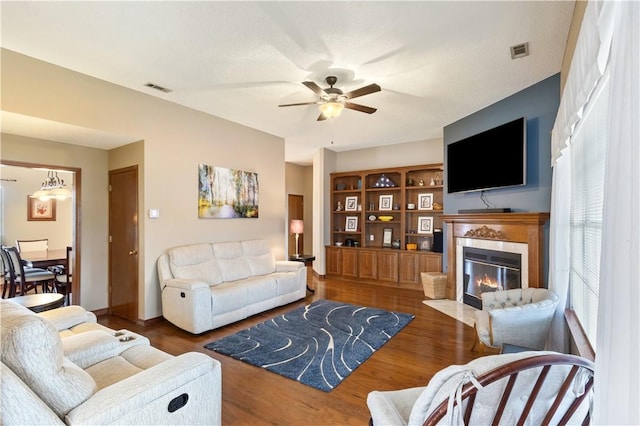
360, 108
301, 103
372, 88
321, 117
313, 86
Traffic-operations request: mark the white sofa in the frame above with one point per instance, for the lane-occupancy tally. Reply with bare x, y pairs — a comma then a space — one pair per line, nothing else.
205, 286
61, 367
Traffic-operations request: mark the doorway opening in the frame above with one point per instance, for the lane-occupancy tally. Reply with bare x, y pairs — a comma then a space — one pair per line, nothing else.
75, 184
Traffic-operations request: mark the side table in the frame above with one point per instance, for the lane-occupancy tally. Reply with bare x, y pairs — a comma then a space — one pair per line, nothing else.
40, 302
307, 259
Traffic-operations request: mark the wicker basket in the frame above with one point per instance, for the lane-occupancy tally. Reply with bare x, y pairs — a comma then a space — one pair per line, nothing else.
434, 284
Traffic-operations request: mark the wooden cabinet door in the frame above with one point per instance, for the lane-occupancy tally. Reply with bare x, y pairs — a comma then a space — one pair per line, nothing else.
388, 266
367, 264
409, 264
430, 262
334, 261
350, 263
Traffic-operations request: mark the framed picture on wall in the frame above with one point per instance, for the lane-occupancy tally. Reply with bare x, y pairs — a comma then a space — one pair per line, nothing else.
385, 202
38, 209
387, 236
425, 225
351, 204
425, 201
351, 224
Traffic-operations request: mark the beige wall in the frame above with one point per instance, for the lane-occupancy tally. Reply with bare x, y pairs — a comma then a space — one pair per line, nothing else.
402, 154
176, 139
572, 38
299, 182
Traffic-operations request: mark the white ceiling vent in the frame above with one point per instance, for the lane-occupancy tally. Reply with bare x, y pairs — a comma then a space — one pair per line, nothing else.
160, 88
519, 50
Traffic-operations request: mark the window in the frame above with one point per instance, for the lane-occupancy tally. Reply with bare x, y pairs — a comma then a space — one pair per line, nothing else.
588, 153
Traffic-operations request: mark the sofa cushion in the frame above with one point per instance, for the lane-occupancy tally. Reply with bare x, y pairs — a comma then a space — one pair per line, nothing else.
258, 253
32, 349
195, 262
231, 260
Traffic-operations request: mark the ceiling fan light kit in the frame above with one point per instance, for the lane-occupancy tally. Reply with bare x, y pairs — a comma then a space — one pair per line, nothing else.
332, 100
331, 109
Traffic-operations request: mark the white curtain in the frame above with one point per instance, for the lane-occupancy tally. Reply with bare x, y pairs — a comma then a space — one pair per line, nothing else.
617, 380
609, 36
587, 66
559, 251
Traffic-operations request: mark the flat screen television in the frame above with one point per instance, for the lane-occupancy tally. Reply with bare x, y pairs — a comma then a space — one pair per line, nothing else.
495, 158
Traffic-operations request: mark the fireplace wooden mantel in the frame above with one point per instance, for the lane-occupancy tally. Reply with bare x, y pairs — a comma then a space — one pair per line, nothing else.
513, 227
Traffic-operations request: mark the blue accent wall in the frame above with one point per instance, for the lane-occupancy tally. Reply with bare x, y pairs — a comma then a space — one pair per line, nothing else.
539, 105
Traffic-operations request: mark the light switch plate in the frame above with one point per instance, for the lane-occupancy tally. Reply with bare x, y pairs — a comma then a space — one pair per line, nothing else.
154, 213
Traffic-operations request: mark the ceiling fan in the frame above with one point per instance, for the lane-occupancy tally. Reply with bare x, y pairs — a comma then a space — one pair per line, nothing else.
332, 100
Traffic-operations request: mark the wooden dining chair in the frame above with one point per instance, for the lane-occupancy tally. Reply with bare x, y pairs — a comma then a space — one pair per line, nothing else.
32, 245
26, 281
64, 277
6, 276
41, 245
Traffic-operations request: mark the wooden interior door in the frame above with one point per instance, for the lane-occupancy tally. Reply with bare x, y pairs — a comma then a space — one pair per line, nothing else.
296, 211
123, 242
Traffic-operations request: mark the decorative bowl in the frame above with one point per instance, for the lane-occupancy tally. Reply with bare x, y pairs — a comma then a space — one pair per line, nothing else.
338, 243
385, 218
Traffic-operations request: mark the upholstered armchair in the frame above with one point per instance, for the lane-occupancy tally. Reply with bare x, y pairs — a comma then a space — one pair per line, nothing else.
521, 388
520, 317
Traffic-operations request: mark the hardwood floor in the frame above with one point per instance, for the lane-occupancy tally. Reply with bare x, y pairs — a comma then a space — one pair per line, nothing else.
253, 396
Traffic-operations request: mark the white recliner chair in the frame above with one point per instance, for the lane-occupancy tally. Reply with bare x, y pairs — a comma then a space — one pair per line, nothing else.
519, 317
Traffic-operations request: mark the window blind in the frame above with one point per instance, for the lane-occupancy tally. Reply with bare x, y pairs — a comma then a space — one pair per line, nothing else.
588, 153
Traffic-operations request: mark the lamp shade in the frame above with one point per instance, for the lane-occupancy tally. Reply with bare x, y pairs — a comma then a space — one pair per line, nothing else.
331, 109
296, 226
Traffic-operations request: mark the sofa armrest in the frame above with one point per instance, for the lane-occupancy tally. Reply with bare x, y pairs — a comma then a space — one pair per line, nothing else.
288, 265
68, 316
185, 284
145, 398
91, 347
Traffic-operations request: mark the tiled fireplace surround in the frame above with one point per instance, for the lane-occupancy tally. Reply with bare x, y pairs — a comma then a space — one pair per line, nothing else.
513, 232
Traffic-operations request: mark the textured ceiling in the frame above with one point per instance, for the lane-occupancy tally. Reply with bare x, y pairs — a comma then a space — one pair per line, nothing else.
436, 61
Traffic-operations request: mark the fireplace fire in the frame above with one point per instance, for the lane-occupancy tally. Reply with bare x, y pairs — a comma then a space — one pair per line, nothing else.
488, 270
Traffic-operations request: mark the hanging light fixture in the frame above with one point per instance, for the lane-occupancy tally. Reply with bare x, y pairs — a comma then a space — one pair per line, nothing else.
331, 109
52, 187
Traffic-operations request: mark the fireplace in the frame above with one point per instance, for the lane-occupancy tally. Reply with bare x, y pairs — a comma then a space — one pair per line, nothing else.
518, 232
488, 270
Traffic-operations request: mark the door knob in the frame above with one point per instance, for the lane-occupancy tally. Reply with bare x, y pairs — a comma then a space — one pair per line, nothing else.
133, 252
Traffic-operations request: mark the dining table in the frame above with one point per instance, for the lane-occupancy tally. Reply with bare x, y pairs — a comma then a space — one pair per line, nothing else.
45, 258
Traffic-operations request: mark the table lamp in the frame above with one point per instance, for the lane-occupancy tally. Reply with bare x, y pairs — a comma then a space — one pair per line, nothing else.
297, 227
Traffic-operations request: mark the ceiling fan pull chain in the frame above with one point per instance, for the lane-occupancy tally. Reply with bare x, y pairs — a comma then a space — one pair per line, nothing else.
332, 131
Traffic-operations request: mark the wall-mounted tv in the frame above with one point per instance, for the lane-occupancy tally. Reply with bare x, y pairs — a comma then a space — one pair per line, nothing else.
495, 158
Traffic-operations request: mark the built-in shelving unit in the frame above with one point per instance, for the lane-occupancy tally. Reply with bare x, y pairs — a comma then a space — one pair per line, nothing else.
382, 223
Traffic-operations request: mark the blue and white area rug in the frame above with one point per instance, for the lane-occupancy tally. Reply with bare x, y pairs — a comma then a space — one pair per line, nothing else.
318, 345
